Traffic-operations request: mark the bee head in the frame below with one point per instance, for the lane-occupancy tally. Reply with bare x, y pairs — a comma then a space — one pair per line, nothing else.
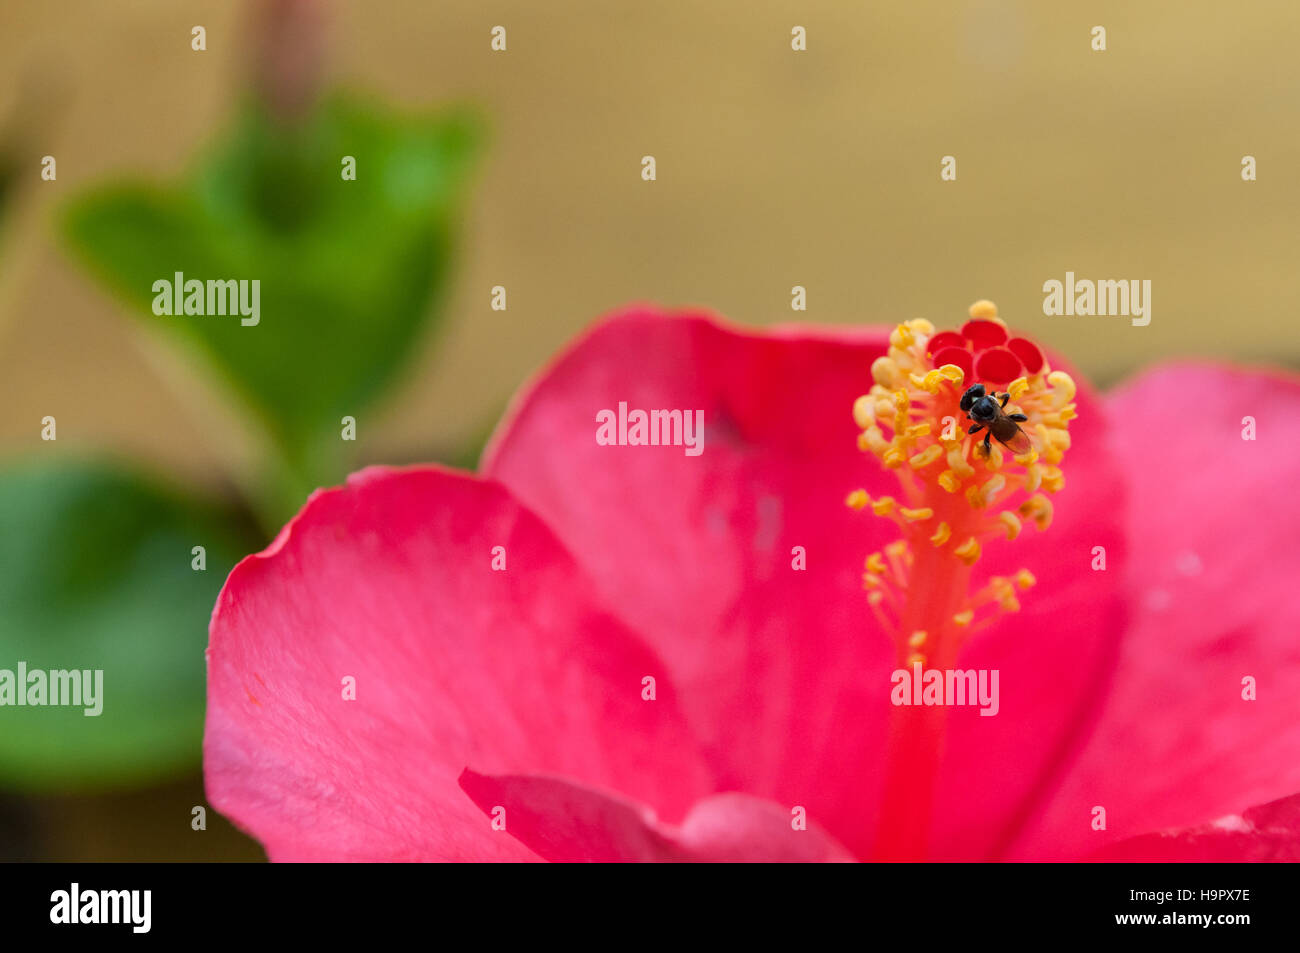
973, 393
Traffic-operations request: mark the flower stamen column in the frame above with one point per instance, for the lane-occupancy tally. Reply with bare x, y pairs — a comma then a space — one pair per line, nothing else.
953, 499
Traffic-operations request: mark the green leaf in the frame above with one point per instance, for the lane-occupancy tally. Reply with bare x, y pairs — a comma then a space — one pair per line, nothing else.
348, 269
96, 573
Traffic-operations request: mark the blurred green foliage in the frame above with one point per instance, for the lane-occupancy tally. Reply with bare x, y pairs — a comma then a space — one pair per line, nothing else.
96, 559
347, 268
95, 573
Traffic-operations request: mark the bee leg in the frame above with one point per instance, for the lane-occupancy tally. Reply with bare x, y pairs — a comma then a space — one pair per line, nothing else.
1005, 397
1020, 418
988, 450
976, 428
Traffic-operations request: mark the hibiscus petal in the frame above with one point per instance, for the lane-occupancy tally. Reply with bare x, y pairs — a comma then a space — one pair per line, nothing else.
784, 674
565, 821
1211, 569
1269, 833
388, 581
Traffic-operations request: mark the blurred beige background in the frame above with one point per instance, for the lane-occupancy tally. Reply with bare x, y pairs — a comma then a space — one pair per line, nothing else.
775, 168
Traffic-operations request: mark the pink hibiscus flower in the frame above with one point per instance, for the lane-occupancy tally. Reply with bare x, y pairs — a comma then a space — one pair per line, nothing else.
688, 652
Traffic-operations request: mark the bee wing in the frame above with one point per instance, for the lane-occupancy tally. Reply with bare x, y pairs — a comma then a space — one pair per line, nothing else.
1018, 442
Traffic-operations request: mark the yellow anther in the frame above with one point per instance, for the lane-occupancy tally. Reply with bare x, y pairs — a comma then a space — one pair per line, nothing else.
884, 408
917, 639
902, 400
921, 326
1058, 441
932, 381
984, 309
884, 371
1053, 479
1011, 522
1033, 477
915, 516
1063, 389
864, 411
957, 463
876, 563
917, 430
1009, 604
898, 550
1025, 579
874, 439
894, 458
941, 535
1024, 459
964, 617
875, 598
902, 337
883, 506
982, 495
1039, 509
857, 500
1018, 387
926, 456
870, 581
916, 658
969, 551
948, 480
953, 373
994, 460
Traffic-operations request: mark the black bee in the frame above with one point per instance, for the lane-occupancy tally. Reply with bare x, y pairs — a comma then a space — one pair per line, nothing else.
986, 411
